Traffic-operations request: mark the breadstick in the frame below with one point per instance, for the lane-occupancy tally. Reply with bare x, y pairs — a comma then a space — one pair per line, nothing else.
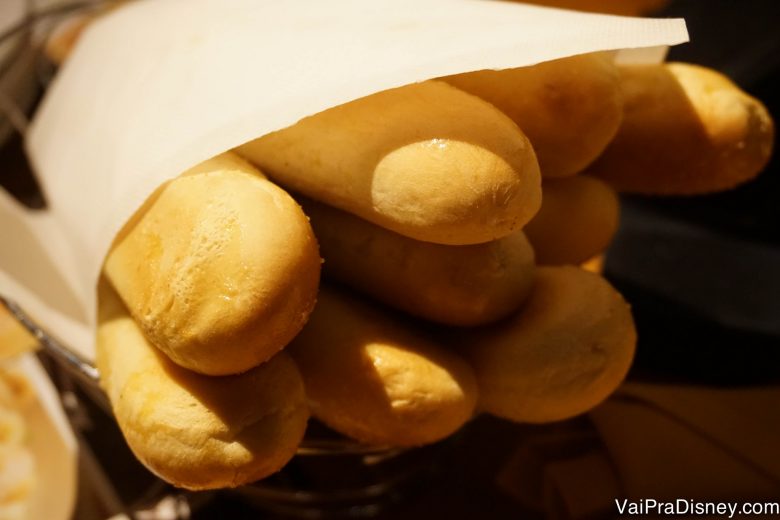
426, 160
567, 349
687, 130
196, 431
570, 108
372, 378
219, 268
578, 218
455, 285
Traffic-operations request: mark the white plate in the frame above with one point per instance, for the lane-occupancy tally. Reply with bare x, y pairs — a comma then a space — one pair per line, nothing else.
53, 446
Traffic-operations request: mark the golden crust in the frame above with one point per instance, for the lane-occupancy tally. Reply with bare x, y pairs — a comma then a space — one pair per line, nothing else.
454, 285
196, 431
566, 351
373, 379
687, 130
569, 108
220, 268
578, 218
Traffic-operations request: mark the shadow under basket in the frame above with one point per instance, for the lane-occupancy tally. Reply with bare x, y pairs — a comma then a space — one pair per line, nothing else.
334, 477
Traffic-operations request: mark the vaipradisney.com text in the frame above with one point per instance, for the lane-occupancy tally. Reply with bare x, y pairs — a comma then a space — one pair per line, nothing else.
684, 506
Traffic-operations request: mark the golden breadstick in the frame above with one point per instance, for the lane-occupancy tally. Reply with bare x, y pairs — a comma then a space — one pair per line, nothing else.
567, 349
372, 378
687, 130
195, 431
570, 108
219, 268
455, 285
578, 218
426, 160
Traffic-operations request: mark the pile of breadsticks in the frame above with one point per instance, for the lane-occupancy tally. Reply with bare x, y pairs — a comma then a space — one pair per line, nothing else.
467, 202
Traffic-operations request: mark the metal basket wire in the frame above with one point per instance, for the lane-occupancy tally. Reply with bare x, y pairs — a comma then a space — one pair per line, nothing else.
22, 54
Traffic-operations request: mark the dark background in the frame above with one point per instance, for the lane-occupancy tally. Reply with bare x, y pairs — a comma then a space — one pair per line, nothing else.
703, 273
